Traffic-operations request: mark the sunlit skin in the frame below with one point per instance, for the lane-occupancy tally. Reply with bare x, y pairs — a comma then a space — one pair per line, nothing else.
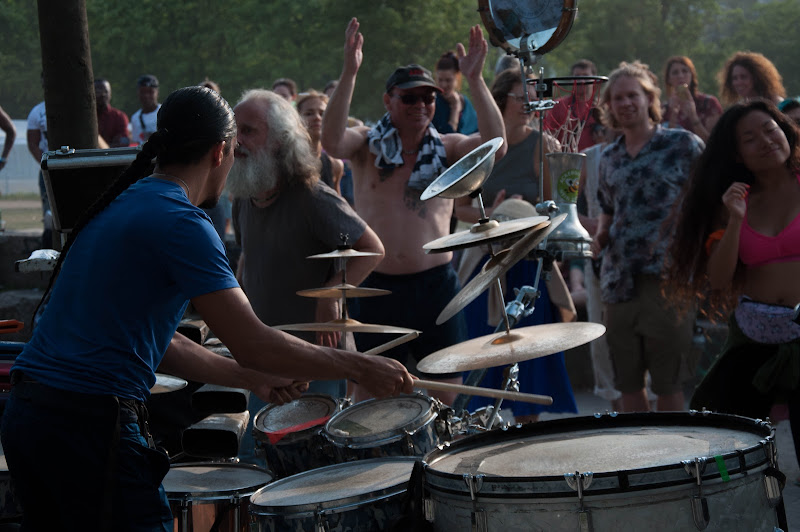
629, 103
679, 74
416, 116
742, 82
770, 204
148, 97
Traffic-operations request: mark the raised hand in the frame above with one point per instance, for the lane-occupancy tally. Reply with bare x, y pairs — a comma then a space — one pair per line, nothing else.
734, 199
353, 42
471, 63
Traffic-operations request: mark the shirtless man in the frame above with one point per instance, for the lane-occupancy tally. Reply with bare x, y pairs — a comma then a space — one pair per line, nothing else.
392, 165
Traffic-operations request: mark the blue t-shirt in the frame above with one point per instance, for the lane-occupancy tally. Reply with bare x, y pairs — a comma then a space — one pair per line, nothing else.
122, 291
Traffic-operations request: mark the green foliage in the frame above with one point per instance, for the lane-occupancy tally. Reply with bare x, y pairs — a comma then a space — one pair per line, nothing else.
250, 43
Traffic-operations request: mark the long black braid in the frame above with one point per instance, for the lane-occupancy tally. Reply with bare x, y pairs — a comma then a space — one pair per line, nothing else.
191, 120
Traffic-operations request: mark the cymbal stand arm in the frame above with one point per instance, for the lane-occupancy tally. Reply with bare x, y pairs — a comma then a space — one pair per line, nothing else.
341, 264
511, 384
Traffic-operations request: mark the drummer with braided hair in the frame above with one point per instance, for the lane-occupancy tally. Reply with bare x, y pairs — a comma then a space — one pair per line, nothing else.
75, 432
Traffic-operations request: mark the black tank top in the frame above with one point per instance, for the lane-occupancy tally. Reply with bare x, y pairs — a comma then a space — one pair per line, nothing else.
326, 173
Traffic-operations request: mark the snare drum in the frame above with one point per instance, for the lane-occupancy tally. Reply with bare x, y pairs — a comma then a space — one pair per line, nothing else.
289, 435
396, 426
361, 496
202, 494
609, 473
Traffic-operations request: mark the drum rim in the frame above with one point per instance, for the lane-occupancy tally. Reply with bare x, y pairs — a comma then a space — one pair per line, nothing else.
386, 436
497, 36
291, 437
179, 496
335, 505
607, 482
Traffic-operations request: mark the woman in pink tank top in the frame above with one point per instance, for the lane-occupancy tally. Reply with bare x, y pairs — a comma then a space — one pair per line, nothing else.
737, 248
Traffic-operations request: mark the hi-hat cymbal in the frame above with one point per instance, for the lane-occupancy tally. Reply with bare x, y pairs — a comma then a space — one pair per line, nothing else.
167, 383
346, 253
501, 349
344, 325
495, 267
485, 233
346, 290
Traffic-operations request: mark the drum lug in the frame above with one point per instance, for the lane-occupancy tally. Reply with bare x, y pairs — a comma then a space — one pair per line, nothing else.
700, 512
428, 509
321, 522
573, 480
584, 521
474, 483
480, 522
774, 481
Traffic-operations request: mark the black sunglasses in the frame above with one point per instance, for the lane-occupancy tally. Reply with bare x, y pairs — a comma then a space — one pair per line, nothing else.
412, 99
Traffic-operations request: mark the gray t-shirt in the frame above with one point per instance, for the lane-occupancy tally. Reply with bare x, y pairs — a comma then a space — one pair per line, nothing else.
276, 241
515, 172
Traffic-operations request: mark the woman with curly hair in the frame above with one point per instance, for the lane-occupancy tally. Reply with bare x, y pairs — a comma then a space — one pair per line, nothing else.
685, 106
748, 75
737, 245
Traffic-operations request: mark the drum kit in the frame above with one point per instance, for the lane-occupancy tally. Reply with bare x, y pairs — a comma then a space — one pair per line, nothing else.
411, 463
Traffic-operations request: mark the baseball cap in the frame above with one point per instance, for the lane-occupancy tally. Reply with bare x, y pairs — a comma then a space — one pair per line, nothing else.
147, 80
411, 76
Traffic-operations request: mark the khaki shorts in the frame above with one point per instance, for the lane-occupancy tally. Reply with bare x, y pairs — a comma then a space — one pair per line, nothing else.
646, 334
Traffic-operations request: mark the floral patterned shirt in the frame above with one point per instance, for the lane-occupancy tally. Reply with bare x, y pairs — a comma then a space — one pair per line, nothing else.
638, 193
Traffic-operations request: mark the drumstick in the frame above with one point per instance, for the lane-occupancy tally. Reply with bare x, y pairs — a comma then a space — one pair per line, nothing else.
485, 392
394, 343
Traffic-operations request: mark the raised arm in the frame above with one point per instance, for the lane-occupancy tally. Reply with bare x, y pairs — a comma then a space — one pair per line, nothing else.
490, 119
337, 139
725, 254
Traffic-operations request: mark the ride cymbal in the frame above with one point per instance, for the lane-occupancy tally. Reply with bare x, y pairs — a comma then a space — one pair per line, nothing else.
344, 325
495, 267
342, 290
485, 233
500, 349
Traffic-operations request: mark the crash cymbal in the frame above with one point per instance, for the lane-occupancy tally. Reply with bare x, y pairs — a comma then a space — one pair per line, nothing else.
346, 253
495, 267
346, 290
344, 325
485, 233
501, 349
167, 383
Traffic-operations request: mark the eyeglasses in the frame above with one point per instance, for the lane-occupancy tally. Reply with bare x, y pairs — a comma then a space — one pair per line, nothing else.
412, 99
518, 97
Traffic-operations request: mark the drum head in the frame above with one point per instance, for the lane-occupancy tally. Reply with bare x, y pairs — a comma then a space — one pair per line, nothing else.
377, 420
527, 25
212, 480
334, 486
637, 444
312, 408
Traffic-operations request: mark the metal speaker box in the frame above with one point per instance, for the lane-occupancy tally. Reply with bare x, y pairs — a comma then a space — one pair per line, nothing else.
76, 178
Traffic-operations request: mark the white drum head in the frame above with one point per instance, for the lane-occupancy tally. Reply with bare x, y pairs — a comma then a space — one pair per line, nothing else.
335, 485
599, 451
377, 419
208, 480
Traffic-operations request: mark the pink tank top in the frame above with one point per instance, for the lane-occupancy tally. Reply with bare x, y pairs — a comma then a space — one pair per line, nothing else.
756, 249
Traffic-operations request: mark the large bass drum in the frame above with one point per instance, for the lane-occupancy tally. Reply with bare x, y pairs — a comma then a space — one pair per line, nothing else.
609, 473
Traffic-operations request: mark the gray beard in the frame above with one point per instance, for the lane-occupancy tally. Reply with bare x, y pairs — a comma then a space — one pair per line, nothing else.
251, 176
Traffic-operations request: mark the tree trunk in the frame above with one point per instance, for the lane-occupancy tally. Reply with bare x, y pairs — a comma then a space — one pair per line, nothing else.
68, 78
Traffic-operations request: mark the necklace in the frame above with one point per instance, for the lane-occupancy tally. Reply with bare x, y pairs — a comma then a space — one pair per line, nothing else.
406, 152
181, 183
